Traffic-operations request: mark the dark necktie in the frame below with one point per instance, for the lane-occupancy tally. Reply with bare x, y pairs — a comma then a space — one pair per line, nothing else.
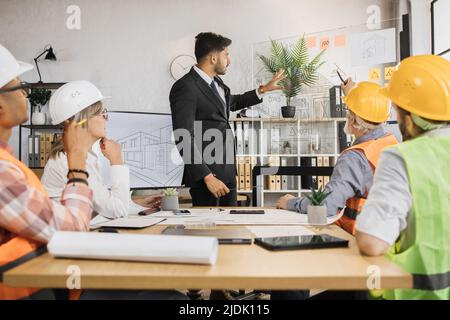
216, 92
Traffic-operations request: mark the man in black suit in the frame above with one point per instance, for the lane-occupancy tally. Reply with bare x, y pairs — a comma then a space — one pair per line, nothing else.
201, 105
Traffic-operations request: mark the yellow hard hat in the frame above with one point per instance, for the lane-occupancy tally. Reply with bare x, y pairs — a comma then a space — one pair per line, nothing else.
366, 101
421, 85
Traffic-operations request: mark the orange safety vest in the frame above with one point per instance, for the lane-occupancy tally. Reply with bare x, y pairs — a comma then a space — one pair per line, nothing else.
372, 151
18, 249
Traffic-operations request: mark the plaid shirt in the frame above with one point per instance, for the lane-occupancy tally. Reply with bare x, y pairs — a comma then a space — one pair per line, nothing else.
26, 212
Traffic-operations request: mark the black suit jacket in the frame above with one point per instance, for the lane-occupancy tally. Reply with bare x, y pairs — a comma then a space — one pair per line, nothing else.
193, 100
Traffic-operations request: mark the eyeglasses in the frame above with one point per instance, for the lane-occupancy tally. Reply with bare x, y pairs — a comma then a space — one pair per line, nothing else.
24, 86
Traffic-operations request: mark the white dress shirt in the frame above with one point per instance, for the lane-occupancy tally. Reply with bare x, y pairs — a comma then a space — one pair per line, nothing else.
109, 203
208, 80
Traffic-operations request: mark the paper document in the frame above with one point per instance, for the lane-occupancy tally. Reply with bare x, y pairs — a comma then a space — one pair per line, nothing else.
134, 247
132, 222
270, 217
279, 231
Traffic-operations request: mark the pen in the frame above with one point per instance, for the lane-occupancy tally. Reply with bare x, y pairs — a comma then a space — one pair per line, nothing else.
338, 73
340, 77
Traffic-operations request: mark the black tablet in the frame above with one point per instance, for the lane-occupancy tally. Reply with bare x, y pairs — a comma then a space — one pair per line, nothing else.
301, 242
247, 211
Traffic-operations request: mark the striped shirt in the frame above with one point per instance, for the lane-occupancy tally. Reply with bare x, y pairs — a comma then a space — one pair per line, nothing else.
26, 212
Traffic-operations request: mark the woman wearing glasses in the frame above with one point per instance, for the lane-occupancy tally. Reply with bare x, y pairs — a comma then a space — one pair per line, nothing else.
81, 101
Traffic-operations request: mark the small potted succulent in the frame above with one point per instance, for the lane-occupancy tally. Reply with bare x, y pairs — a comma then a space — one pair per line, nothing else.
317, 212
287, 147
169, 200
38, 99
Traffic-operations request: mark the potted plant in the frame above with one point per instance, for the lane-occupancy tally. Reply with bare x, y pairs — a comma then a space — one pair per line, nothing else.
38, 99
169, 200
317, 213
299, 70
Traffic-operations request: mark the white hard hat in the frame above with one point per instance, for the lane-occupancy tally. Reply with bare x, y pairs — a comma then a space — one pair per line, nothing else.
10, 68
71, 98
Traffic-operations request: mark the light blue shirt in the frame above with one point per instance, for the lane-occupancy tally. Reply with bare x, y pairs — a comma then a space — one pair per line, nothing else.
352, 175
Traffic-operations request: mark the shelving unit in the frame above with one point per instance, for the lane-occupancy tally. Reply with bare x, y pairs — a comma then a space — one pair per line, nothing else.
324, 130
33, 129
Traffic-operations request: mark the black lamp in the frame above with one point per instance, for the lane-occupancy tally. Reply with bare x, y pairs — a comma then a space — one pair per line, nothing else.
50, 55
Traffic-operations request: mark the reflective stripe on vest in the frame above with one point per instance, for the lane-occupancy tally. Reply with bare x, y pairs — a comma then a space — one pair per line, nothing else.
17, 249
431, 282
372, 151
423, 248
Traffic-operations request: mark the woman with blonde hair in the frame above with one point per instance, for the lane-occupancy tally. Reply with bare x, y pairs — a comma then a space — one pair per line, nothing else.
81, 101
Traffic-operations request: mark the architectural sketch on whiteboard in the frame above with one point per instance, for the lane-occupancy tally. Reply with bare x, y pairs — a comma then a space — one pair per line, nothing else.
148, 149
148, 155
372, 48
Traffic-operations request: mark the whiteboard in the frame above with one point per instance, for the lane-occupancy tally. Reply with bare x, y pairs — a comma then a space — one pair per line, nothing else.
441, 24
148, 149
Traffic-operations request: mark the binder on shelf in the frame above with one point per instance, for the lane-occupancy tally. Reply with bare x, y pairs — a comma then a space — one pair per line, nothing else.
247, 173
336, 104
284, 178
309, 181
30, 150
253, 150
246, 137
326, 163
48, 145
314, 182
275, 140
42, 149
264, 141
241, 173
36, 150
277, 182
275, 162
320, 178
239, 138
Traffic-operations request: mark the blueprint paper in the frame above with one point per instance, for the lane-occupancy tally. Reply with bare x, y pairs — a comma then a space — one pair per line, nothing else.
134, 247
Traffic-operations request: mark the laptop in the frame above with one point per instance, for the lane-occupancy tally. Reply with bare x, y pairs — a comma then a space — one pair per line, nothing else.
224, 236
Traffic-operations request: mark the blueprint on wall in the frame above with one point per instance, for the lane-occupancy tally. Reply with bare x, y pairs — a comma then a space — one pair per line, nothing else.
148, 149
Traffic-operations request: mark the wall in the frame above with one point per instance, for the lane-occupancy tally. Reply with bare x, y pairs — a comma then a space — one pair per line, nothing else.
125, 47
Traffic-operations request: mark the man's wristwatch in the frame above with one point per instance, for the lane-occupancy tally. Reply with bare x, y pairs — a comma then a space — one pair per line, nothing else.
261, 90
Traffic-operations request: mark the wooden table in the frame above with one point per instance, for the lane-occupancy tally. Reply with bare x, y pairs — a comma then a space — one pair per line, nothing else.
238, 266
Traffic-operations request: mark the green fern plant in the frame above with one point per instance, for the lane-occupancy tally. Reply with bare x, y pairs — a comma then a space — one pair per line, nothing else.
318, 196
299, 70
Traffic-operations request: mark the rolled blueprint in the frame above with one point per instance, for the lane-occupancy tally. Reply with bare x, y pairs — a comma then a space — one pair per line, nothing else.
134, 247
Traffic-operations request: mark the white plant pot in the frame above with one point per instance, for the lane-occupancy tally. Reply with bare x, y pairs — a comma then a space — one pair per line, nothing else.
169, 203
317, 215
38, 118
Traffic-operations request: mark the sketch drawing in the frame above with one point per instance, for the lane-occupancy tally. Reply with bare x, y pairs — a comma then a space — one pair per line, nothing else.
374, 47
149, 156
